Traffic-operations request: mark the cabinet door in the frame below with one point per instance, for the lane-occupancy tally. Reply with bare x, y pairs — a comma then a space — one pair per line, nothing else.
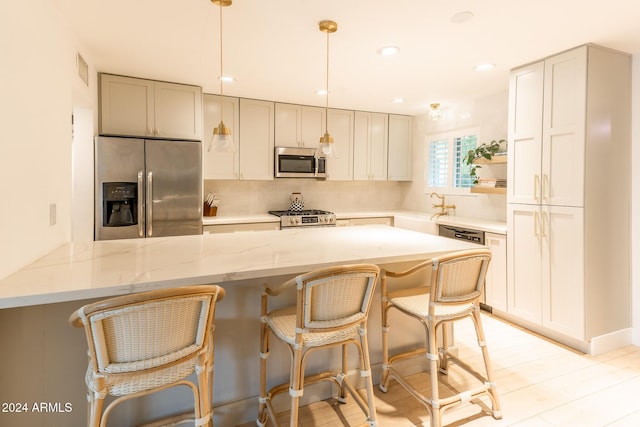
563, 135
496, 286
126, 106
341, 122
524, 264
256, 139
370, 146
288, 127
563, 270
400, 148
525, 134
178, 111
313, 126
219, 165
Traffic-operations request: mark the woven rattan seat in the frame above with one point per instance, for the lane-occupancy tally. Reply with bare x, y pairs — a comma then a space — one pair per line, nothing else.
147, 342
452, 294
332, 310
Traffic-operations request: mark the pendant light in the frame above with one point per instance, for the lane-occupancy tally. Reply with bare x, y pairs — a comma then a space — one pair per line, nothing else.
221, 140
327, 147
435, 113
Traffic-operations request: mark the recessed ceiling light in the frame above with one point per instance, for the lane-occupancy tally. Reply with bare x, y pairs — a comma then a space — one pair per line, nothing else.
227, 79
485, 66
399, 101
321, 92
461, 17
388, 50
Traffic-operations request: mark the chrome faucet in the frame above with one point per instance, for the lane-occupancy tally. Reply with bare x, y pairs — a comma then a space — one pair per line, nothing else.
442, 206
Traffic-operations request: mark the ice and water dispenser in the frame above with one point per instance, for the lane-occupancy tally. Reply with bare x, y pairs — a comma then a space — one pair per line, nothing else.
120, 203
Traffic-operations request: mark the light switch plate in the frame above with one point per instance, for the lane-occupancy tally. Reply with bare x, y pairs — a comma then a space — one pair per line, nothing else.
52, 214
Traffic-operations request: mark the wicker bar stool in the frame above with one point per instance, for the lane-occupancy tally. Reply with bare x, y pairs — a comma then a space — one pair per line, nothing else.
331, 310
452, 294
147, 342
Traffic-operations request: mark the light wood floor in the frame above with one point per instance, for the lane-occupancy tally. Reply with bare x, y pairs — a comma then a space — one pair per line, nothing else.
540, 384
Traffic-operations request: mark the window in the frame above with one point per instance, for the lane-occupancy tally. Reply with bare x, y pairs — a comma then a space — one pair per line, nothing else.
463, 144
446, 170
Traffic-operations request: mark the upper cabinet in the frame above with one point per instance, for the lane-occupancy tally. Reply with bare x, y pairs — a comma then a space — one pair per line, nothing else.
341, 122
149, 109
370, 146
547, 131
252, 136
298, 125
399, 157
256, 143
220, 165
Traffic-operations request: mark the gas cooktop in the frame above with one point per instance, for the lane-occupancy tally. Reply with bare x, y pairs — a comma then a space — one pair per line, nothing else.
304, 218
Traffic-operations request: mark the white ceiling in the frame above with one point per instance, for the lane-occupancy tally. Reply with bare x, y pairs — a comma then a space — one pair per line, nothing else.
275, 50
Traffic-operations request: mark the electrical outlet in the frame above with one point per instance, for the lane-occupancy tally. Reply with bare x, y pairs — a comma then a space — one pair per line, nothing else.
52, 214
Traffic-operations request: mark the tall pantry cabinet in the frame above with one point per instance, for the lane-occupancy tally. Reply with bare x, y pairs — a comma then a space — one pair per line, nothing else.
568, 214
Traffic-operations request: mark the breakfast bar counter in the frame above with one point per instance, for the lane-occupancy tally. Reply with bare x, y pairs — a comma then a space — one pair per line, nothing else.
44, 359
78, 271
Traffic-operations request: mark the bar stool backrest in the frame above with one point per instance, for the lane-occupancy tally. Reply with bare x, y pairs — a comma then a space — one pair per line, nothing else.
458, 278
336, 297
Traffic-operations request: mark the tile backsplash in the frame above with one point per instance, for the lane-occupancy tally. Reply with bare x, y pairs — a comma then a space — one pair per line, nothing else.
253, 197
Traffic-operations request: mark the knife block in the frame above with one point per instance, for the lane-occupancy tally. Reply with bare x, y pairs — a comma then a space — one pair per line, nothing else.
209, 210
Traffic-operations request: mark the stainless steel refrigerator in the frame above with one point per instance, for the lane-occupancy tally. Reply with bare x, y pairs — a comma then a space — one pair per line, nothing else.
147, 188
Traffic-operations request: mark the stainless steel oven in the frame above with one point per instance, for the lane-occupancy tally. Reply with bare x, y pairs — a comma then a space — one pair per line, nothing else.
305, 218
294, 162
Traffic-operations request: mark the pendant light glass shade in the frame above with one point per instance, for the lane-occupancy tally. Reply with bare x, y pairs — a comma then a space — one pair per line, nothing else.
326, 147
221, 140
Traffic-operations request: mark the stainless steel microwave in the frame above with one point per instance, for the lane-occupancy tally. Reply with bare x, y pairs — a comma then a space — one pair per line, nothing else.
295, 162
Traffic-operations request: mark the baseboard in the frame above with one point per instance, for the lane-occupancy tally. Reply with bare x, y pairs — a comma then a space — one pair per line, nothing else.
611, 341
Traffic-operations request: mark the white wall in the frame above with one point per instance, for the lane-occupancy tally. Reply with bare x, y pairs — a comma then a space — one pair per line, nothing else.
36, 83
488, 116
635, 200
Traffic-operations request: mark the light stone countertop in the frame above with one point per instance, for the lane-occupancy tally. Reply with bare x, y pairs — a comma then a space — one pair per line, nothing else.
77, 271
498, 227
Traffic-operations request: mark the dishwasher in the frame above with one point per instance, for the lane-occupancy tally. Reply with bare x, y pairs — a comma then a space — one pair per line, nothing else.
470, 235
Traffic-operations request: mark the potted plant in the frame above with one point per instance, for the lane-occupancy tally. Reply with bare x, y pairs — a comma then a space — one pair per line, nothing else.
486, 151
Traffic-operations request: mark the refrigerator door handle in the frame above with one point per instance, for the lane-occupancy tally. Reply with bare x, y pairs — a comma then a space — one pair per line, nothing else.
140, 204
149, 203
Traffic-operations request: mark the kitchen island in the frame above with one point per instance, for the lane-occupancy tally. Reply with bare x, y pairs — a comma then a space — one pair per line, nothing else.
44, 359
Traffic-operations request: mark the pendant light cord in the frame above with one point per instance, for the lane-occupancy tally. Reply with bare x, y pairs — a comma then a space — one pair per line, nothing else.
326, 105
220, 6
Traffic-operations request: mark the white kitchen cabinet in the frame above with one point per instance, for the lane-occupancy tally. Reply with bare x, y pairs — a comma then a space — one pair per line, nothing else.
341, 123
220, 165
240, 227
547, 162
298, 125
370, 146
252, 136
400, 148
546, 278
151, 109
568, 196
256, 144
496, 287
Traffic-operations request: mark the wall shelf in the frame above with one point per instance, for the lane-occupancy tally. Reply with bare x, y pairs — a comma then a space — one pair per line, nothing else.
489, 190
494, 160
